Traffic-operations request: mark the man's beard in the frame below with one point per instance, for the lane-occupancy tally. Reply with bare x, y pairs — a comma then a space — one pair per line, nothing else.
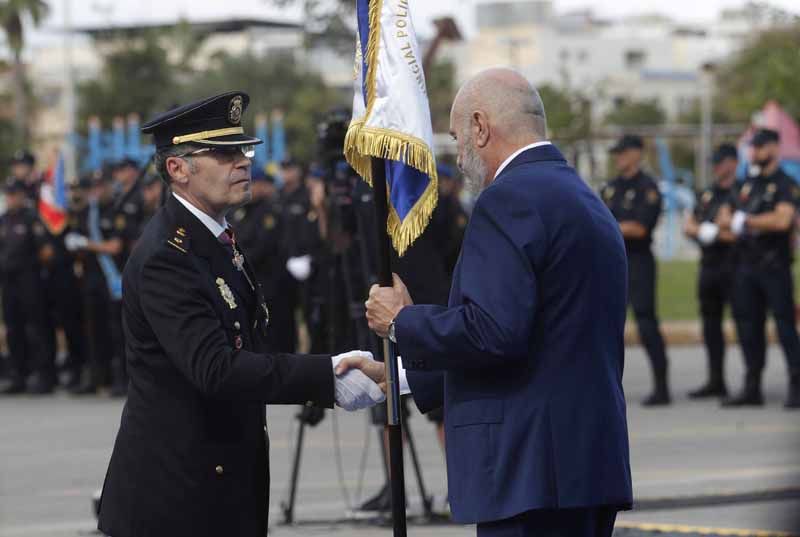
474, 169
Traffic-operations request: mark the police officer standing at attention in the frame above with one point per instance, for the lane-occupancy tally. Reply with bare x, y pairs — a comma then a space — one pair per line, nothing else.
635, 202
717, 264
764, 222
21, 240
191, 452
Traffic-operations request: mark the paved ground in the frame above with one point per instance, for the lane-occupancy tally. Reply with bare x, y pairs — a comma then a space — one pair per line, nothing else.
53, 454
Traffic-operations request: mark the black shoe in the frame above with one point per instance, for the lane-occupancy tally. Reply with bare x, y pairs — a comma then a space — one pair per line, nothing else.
15, 388
746, 398
793, 401
381, 502
40, 387
119, 390
85, 389
711, 389
657, 398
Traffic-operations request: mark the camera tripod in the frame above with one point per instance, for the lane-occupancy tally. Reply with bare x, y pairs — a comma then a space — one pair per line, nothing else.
355, 331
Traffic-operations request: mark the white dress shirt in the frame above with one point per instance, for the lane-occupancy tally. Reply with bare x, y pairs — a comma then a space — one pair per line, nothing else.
216, 228
518, 153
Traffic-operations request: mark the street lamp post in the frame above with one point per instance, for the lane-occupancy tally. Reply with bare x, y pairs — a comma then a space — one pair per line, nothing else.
706, 106
70, 157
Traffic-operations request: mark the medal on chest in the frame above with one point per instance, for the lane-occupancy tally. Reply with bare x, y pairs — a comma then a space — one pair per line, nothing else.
227, 294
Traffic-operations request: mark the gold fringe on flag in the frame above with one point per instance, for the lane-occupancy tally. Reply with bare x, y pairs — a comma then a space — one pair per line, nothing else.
362, 143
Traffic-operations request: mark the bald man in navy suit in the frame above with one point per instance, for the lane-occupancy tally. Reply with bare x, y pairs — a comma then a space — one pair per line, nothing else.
527, 359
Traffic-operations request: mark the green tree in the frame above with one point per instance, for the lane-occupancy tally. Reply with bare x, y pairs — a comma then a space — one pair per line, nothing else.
631, 113
12, 16
767, 68
273, 83
137, 76
441, 91
330, 23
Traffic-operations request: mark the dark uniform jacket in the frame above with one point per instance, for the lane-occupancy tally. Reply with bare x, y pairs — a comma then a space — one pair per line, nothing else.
709, 202
21, 237
634, 199
761, 195
190, 457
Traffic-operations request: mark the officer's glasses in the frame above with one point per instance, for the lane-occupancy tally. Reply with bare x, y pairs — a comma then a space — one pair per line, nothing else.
224, 154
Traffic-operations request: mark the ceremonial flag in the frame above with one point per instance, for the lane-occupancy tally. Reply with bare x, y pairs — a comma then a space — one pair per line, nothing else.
53, 198
391, 117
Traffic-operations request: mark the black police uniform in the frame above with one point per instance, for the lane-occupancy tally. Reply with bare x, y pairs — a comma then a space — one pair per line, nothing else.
715, 280
64, 304
259, 232
191, 455
103, 312
21, 238
638, 199
764, 280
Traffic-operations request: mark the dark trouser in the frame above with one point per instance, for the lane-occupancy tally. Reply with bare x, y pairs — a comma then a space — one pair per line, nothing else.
586, 522
101, 346
25, 319
65, 309
642, 297
118, 367
713, 289
755, 290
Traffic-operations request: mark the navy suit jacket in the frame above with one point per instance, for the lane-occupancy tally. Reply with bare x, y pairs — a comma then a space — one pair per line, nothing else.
528, 357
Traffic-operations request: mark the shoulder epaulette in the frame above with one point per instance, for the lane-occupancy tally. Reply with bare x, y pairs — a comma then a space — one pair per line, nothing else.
179, 240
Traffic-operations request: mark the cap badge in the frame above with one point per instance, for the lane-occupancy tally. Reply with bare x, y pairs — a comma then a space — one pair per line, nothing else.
235, 110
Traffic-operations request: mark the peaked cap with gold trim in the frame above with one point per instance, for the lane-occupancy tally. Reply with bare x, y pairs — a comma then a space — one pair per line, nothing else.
216, 121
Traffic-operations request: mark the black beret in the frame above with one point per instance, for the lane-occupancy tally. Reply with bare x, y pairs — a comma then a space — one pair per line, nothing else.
628, 141
23, 156
765, 136
724, 151
214, 121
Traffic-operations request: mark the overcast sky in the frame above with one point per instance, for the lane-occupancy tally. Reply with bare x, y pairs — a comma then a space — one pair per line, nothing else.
97, 12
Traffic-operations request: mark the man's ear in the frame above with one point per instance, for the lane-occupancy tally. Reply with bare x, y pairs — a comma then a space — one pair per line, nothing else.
480, 128
178, 170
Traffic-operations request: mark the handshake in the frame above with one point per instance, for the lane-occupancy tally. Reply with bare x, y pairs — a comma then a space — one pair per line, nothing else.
359, 380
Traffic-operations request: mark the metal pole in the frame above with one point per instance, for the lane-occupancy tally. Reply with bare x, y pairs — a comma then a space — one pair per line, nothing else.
393, 414
70, 160
705, 136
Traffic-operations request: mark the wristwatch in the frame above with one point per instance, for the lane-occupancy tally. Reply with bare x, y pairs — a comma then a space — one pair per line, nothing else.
391, 333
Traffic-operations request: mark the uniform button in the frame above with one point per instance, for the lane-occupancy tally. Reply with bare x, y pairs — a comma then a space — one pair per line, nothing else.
236, 325
220, 470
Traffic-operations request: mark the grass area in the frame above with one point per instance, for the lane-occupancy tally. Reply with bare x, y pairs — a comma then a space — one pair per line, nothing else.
677, 289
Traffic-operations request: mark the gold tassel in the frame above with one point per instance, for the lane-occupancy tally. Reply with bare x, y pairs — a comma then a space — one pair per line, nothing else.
362, 143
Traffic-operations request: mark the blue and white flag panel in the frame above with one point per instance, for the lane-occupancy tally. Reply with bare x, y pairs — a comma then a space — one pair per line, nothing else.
391, 116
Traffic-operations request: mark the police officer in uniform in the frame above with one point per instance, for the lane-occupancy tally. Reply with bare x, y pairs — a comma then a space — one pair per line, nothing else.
717, 265
129, 202
191, 452
21, 240
635, 202
101, 241
763, 222
23, 168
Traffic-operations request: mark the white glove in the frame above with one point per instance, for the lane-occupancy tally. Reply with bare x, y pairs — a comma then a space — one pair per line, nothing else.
354, 390
299, 267
707, 233
738, 223
75, 241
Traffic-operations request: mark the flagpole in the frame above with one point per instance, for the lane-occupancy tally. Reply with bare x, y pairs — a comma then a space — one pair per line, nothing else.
393, 415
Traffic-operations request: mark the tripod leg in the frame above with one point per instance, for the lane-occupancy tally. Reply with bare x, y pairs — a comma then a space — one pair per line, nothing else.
427, 502
288, 507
